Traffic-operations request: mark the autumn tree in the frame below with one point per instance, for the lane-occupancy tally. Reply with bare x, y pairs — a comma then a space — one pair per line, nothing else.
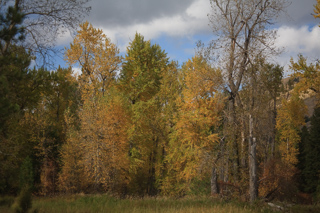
190, 152
96, 55
61, 95
101, 136
308, 76
95, 156
140, 80
317, 10
272, 77
242, 30
289, 120
259, 97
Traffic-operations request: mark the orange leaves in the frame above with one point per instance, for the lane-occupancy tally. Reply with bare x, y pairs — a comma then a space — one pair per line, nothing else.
277, 180
101, 145
102, 137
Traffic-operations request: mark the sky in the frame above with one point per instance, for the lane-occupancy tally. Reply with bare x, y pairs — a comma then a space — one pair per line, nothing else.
176, 25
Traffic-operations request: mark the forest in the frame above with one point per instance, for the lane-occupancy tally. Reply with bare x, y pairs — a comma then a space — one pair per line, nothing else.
225, 123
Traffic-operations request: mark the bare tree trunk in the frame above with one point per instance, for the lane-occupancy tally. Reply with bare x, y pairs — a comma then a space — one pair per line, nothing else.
233, 139
214, 183
253, 183
274, 125
243, 146
222, 165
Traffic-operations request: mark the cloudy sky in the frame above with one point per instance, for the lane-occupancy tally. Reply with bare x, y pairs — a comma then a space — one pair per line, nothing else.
176, 25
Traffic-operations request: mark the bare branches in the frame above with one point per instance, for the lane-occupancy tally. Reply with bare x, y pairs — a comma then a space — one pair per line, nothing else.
45, 20
243, 29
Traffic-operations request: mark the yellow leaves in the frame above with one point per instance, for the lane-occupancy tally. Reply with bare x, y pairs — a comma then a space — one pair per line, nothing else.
103, 122
289, 120
317, 10
199, 106
308, 76
101, 143
97, 56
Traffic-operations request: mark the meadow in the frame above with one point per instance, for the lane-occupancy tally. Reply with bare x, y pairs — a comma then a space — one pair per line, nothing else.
106, 203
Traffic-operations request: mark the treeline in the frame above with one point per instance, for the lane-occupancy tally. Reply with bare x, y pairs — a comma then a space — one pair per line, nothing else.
143, 125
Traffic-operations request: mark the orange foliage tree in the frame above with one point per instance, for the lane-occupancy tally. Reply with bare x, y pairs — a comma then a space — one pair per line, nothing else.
100, 160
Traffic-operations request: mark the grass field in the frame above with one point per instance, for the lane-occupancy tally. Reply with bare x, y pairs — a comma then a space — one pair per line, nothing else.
105, 203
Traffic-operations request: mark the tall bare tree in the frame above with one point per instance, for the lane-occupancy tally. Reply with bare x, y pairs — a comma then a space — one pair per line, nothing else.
43, 22
243, 30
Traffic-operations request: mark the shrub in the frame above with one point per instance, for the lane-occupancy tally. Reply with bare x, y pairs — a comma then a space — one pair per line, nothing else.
24, 201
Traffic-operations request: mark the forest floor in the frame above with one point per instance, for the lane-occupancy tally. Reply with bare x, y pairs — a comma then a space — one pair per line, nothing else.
106, 203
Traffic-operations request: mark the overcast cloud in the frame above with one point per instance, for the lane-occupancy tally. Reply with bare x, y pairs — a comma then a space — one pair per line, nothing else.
120, 20
187, 20
298, 13
115, 13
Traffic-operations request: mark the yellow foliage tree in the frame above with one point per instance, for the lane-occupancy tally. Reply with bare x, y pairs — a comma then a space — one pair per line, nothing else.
199, 105
317, 10
308, 75
101, 139
96, 55
103, 136
289, 120
72, 176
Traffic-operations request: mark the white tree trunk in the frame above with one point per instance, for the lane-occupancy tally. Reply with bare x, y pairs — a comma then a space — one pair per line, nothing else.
214, 184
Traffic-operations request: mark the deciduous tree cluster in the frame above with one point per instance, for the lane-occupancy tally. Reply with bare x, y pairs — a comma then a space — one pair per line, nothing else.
140, 124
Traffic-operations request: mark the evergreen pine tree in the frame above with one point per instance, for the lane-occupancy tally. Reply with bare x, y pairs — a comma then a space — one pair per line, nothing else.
312, 154
309, 155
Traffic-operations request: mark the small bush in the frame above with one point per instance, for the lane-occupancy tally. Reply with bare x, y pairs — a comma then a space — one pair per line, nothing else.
23, 202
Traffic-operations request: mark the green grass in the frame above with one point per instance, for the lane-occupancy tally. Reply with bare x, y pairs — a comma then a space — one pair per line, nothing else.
105, 203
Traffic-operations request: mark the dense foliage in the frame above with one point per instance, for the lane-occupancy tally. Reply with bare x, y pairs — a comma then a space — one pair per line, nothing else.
143, 125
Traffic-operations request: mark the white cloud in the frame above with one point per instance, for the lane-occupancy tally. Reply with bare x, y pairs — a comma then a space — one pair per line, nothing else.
299, 39
76, 71
186, 24
64, 38
303, 40
199, 9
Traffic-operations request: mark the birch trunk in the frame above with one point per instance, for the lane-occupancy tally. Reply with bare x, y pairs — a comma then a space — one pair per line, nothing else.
214, 184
